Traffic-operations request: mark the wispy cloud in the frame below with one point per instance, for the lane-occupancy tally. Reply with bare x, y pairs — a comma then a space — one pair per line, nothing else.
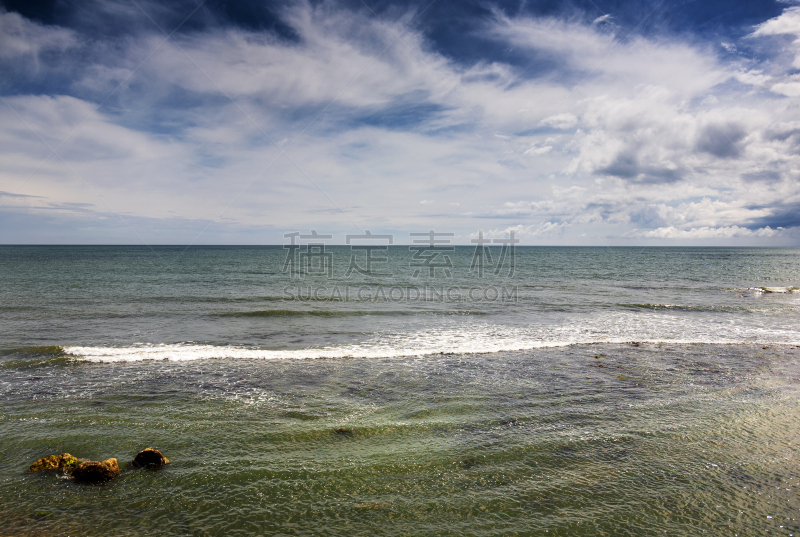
24, 40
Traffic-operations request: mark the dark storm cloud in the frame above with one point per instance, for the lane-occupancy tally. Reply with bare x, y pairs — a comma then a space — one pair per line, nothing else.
767, 176
721, 140
783, 215
626, 166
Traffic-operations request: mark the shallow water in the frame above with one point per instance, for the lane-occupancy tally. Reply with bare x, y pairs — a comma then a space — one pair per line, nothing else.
583, 440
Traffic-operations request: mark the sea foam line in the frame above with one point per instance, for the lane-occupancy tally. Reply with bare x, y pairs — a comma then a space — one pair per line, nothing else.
189, 352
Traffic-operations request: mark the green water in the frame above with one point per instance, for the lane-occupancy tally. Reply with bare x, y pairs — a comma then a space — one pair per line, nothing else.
582, 440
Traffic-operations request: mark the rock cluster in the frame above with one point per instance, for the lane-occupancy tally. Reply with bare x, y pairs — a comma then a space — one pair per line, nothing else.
65, 462
95, 472
149, 458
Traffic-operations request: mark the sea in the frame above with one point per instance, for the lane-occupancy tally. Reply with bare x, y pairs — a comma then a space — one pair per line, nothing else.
402, 390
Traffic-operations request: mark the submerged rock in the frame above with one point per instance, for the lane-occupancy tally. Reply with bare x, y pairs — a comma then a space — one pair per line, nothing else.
344, 432
96, 472
65, 462
149, 458
468, 462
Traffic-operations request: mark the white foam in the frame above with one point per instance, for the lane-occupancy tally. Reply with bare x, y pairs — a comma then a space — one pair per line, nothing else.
462, 336
181, 352
188, 352
778, 290
184, 352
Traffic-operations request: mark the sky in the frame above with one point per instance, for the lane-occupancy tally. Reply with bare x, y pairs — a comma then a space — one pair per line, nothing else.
568, 122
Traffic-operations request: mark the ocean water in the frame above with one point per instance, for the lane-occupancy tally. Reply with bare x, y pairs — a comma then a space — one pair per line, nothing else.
539, 391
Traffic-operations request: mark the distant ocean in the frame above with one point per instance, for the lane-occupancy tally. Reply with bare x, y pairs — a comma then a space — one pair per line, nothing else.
399, 390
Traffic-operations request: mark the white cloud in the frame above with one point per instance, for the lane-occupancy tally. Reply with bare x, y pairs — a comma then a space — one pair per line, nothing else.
789, 88
708, 233
538, 150
526, 233
787, 22
601, 57
560, 121
22, 37
342, 57
753, 78
706, 213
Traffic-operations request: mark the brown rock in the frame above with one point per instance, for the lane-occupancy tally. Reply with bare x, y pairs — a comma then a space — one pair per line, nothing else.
65, 462
96, 472
149, 458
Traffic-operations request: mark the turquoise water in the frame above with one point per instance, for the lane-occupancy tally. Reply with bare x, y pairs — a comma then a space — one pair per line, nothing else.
610, 391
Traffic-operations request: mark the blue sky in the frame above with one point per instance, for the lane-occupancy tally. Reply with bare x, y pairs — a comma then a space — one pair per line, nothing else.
568, 122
